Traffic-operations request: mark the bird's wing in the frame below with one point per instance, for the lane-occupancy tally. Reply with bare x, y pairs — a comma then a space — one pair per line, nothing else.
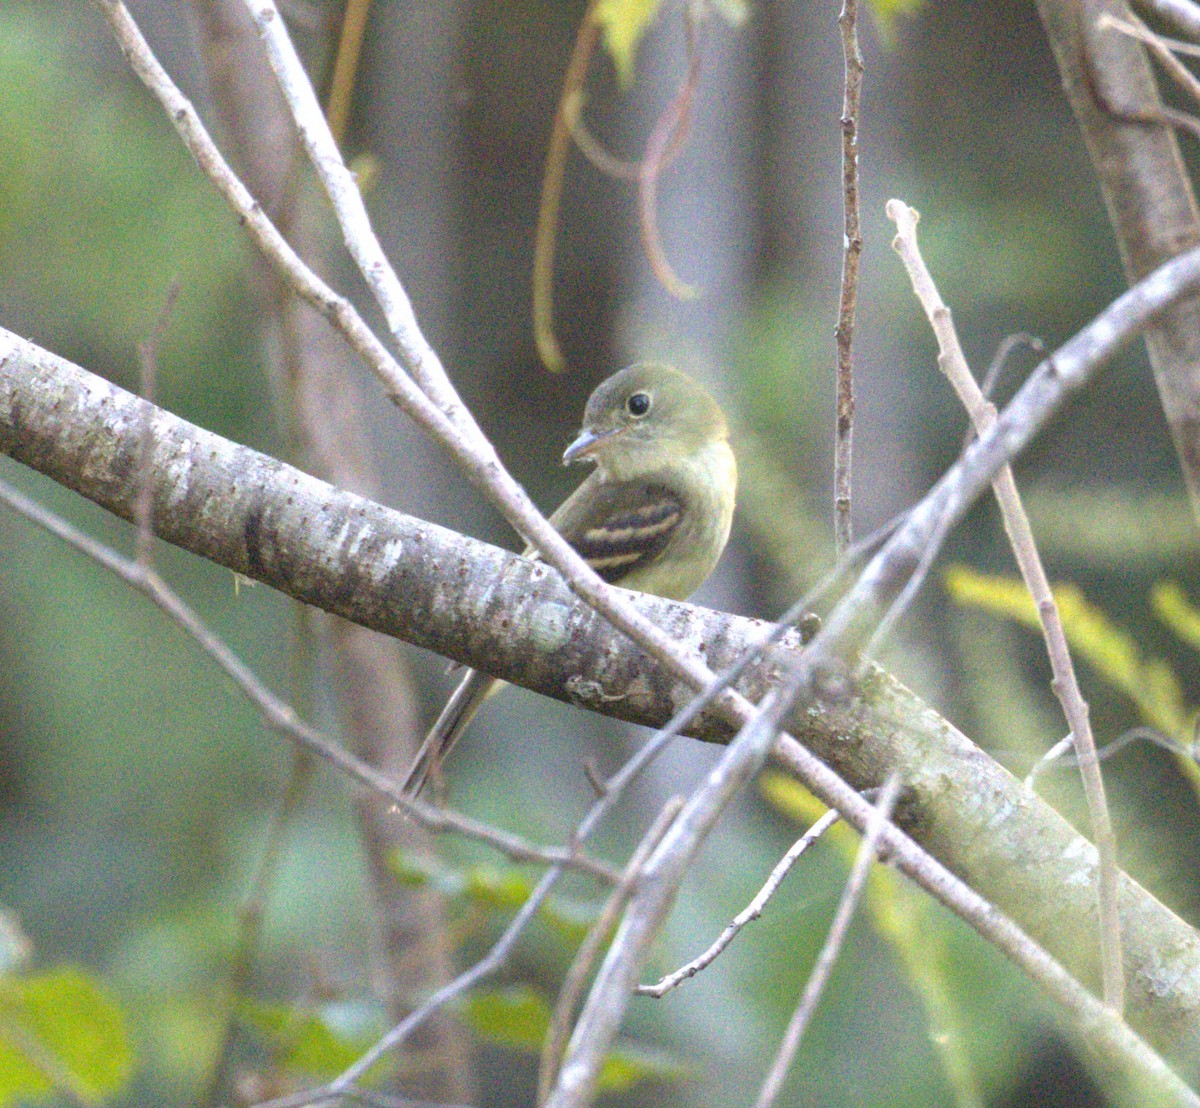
619, 526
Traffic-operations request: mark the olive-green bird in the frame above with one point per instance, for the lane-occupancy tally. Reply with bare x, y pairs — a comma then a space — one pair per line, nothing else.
654, 514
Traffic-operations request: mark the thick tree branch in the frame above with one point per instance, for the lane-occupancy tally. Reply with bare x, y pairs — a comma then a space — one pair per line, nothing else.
489, 608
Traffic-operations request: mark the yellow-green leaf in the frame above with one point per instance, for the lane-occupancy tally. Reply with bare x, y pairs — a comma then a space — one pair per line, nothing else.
628, 1064
317, 1042
624, 23
1115, 655
491, 887
1171, 605
515, 1017
59, 1030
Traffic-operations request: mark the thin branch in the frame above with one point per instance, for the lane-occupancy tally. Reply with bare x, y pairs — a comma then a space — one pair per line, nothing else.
751, 912
491, 963
664, 870
1020, 535
997, 366
1184, 14
1059, 755
832, 947
1157, 46
1066, 371
848, 303
592, 945
317, 139
906, 596
280, 716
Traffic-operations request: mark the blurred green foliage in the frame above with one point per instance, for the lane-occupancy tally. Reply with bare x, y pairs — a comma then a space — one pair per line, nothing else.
136, 788
1150, 684
60, 1032
518, 1018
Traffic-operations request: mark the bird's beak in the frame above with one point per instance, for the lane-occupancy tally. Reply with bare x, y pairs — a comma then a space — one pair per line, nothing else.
586, 443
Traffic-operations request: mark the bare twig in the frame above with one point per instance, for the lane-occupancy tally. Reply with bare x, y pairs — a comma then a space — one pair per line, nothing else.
848, 303
1064, 372
1184, 14
751, 912
916, 581
590, 948
953, 363
418, 356
661, 875
1060, 753
832, 947
1136, 29
279, 715
996, 367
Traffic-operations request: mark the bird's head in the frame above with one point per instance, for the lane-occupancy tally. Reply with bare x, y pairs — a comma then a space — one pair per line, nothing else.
644, 418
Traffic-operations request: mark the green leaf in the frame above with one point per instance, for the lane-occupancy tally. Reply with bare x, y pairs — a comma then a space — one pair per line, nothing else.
624, 23
318, 1042
788, 796
59, 1030
498, 888
1171, 605
1113, 653
628, 1064
493, 888
518, 1018
515, 1017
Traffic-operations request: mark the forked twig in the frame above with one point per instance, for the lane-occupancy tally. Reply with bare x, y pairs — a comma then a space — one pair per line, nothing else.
747, 915
832, 947
953, 364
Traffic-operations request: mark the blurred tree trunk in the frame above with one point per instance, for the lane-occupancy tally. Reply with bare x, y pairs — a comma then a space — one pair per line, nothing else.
320, 402
1108, 79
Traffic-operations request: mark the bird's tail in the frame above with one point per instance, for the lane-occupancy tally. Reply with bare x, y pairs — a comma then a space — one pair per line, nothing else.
456, 716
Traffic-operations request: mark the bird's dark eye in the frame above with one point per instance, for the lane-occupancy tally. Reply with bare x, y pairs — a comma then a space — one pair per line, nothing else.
638, 404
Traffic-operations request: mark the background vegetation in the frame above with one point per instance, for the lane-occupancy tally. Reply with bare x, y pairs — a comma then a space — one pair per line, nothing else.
136, 787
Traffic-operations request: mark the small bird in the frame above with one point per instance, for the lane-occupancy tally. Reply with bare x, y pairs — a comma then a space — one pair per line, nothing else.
654, 514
